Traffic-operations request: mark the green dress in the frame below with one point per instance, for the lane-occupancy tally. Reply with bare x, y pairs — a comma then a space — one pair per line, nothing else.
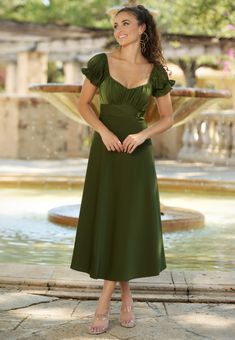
119, 232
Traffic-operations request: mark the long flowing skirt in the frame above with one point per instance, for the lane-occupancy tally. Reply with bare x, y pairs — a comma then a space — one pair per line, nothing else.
119, 232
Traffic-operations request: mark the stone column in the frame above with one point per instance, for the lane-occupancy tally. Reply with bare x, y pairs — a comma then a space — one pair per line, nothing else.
233, 91
10, 83
31, 68
72, 73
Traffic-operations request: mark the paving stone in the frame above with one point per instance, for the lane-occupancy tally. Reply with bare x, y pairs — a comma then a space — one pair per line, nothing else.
8, 290
169, 285
180, 284
206, 320
210, 279
62, 309
142, 309
163, 278
12, 300
207, 298
34, 322
65, 273
9, 321
18, 334
158, 308
30, 290
152, 329
30, 271
7, 326
71, 330
70, 318
174, 169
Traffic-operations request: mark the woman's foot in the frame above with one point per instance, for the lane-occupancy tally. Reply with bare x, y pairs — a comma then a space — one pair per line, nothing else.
127, 317
99, 324
100, 320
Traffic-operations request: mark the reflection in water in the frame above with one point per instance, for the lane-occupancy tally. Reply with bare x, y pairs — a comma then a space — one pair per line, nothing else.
26, 236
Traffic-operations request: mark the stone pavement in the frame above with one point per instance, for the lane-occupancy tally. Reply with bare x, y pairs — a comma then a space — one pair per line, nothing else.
56, 302
29, 316
172, 174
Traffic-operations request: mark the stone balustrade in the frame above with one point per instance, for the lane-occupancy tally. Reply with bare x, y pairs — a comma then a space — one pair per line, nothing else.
210, 137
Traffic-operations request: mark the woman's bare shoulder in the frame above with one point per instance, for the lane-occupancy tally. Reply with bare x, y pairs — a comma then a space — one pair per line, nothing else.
113, 54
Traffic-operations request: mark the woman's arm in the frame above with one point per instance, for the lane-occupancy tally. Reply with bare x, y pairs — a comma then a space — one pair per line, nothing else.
85, 109
166, 121
165, 110
109, 139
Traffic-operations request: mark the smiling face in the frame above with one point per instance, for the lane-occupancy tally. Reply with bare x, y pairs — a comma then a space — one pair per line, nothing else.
126, 29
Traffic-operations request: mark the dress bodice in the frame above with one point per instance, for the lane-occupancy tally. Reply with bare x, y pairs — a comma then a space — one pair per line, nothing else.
112, 91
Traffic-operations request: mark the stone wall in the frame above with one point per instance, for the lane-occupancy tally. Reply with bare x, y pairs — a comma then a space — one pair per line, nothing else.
30, 128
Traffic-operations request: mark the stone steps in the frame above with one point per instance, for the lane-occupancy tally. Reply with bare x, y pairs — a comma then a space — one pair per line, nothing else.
175, 286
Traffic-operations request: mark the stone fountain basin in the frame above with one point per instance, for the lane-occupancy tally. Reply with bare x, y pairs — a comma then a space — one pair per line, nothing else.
174, 218
187, 102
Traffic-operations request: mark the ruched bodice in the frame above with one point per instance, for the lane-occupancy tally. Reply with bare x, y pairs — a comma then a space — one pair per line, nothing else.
113, 92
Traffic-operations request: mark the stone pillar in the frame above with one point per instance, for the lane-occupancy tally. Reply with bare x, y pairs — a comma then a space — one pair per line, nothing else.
31, 68
233, 91
10, 83
72, 72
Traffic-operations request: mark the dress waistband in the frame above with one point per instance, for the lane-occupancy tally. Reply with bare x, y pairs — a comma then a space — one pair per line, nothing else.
121, 110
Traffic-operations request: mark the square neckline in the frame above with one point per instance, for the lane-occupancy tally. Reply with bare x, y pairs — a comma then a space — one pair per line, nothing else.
118, 82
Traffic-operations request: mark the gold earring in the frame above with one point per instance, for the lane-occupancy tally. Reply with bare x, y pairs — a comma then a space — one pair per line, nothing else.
144, 41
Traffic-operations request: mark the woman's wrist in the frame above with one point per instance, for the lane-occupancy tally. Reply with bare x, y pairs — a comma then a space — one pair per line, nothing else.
145, 133
102, 129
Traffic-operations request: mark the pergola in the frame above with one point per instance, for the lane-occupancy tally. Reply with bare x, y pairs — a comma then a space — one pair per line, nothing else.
26, 48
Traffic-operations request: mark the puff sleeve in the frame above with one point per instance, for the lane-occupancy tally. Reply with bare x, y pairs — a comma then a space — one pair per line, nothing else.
95, 69
161, 83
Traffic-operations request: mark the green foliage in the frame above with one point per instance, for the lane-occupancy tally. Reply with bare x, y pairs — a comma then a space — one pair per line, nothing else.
55, 72
210, 17
81, 13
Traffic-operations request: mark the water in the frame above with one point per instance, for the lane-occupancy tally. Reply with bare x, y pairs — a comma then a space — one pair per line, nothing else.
26, 236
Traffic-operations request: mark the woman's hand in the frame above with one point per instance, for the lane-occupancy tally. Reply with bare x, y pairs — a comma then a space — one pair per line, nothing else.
132, 141
111, 141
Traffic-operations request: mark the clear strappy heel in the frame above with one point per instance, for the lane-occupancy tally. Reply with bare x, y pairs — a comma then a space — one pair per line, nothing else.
127, 322
99, 329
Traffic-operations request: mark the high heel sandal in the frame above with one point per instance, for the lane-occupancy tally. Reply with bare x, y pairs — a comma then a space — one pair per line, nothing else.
130, 322
99, 329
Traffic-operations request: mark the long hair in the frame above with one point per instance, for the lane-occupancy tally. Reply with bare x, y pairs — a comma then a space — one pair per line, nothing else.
153, 52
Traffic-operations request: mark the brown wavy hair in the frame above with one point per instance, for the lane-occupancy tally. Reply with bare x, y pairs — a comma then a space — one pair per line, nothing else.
153, 52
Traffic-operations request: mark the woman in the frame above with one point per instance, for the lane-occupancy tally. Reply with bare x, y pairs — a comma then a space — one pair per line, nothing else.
119, 234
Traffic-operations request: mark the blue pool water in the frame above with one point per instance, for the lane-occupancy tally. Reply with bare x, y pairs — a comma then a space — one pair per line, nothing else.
26, 235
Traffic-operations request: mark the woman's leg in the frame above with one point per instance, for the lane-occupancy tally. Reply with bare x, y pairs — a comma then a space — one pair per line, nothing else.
126, 292
127, 317
105, 296
103, 306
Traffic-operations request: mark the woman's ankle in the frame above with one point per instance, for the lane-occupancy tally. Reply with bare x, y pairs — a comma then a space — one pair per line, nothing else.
127, 298
103, 304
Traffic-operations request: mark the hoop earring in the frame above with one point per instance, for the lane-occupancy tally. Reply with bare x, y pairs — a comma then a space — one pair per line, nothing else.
144, 41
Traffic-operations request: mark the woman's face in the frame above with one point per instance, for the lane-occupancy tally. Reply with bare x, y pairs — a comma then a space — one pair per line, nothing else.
126, 29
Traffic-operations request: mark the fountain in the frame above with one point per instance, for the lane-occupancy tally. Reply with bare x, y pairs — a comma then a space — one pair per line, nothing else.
187, 103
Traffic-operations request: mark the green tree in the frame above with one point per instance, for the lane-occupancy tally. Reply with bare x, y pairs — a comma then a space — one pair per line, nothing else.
89, 13
210, 17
